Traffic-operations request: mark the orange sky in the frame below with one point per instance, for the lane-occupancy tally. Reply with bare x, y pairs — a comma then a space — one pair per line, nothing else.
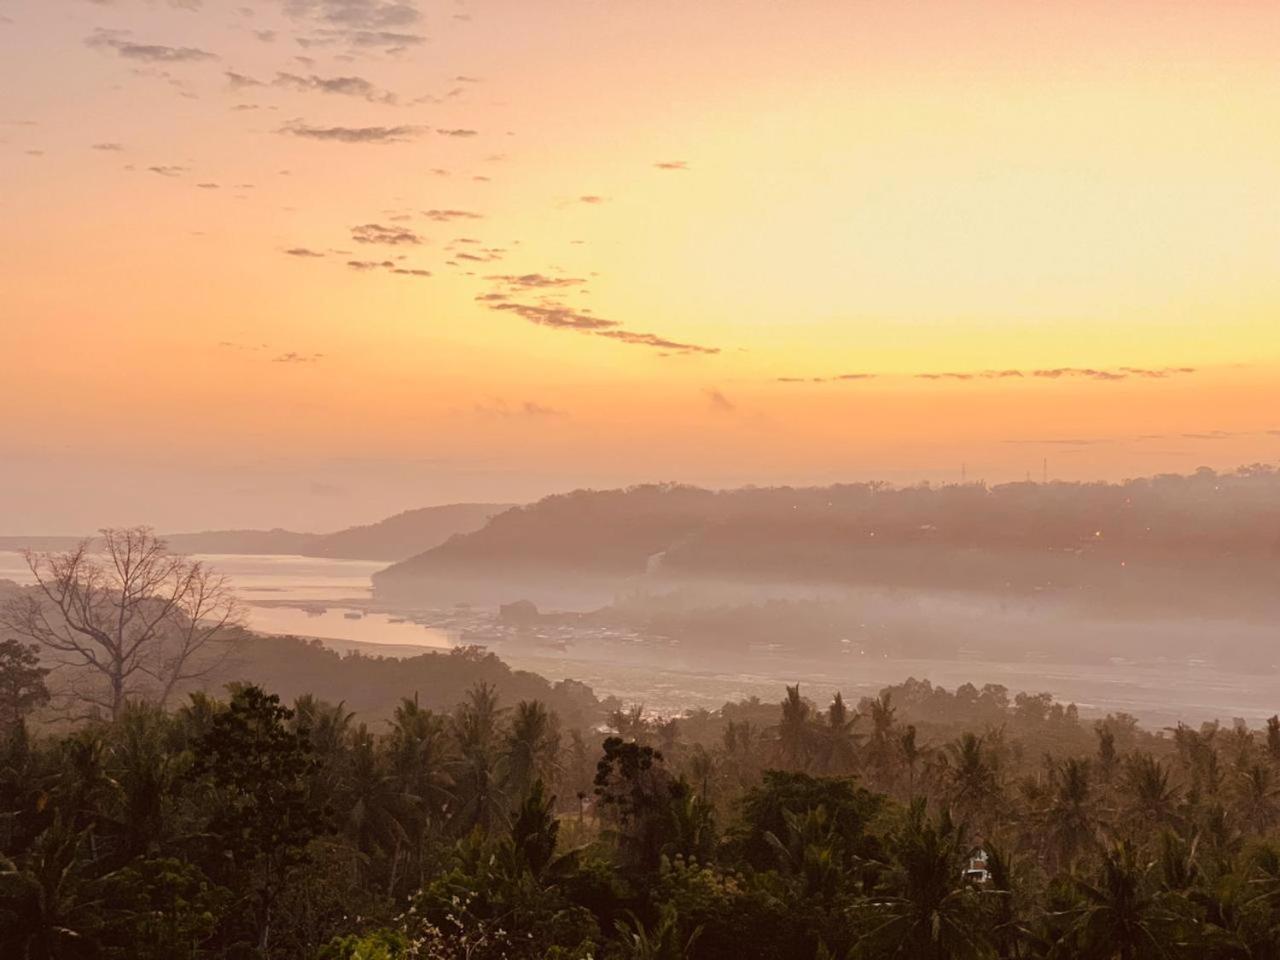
656, 233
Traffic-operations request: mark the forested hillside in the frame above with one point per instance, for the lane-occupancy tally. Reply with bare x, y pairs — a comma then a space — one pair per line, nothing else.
922, 824
1207, 542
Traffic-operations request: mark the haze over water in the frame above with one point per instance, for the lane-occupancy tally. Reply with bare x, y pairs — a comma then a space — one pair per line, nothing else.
331, 600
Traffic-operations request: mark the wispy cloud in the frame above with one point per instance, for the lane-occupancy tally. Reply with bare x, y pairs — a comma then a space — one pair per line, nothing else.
356, 14
240, 81
343, 86
526, 410
556, 316
1060, 373
653, 340
374, 135
390, 266
118, 40
444, 216
303, 252
388, 236
839, 377
535, 280
672, 165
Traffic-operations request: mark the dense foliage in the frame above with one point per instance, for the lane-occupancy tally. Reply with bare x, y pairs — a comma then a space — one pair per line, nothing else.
247, 828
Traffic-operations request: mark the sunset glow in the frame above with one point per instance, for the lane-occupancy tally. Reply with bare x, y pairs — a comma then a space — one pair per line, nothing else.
722, 242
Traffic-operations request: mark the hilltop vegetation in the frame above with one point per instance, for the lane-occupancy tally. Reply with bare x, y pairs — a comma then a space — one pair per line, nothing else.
1210, 541
924, 824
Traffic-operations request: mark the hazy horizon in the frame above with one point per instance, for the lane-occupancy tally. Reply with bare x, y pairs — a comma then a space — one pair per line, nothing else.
305, 263
326, 507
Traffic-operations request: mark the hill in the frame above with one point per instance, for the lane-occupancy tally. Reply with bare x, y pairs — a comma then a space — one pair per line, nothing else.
405, 534
1208, 540
371, 685
392, 539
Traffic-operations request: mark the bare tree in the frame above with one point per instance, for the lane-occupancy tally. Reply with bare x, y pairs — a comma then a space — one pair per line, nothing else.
130, 620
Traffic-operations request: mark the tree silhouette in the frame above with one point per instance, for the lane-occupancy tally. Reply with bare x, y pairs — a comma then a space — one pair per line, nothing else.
795, 733
132, 621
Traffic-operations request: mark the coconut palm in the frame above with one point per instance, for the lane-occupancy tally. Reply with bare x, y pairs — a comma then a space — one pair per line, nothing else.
741, 744
927, 911
477, 729
328, 729
795, 732
971, 781
422, 756
1257, 797
142, 770
531, 751
1150, 799
881, 750
911, 753
1070, 821
1121, 916
629, 724
422, 759
47, 904
836, 745
374, 805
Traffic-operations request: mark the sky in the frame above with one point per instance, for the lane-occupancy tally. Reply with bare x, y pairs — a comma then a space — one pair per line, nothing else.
304, 263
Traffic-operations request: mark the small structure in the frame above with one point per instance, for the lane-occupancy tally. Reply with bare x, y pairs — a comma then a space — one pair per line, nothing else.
976, 870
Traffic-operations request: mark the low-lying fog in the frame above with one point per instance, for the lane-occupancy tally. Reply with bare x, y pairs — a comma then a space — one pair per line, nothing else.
669, 652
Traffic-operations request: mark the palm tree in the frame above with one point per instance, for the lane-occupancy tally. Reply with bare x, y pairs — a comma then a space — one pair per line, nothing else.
702, 768
328, 728
741, 743
663, 942
478, 734
1070, 820
837, 744
1108, 759
375, 805
972, 785
1258, 797
532, 748
196, 716
1150, 799
1120, 918
1273, 737
881, 749
668, 731
422, 759
630, 723
810, 852
928, 912
142, 771
1198, 755
795, 735
421, 755
911, 753
47, 900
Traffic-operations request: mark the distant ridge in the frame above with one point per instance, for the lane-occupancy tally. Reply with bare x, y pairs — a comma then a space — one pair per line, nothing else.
393, 539
1211, 537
